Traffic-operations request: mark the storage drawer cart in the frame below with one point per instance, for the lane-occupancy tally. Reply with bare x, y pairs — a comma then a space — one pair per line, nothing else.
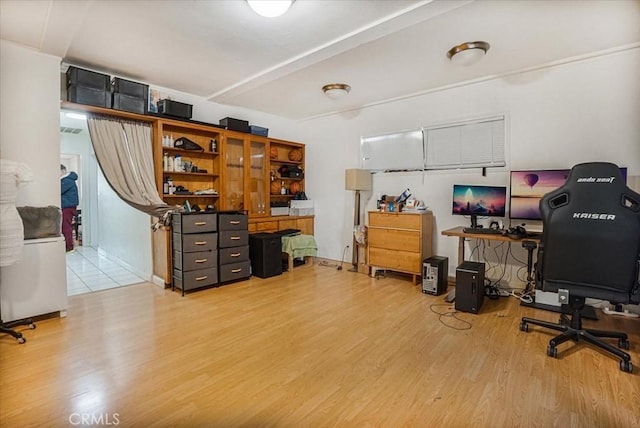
194, 240
233, 244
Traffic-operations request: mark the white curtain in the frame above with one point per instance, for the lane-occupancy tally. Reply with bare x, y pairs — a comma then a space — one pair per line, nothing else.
124, 152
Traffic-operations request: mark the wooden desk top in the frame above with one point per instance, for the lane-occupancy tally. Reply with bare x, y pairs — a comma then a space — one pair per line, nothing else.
459, 232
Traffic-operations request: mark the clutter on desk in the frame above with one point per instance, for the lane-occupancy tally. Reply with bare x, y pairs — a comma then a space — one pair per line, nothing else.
403, 202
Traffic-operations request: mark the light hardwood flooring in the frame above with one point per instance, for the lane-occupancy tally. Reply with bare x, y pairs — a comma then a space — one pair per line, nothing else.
311, 348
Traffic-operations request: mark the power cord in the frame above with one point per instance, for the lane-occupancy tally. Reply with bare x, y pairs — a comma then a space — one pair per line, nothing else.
450, 314
342, 260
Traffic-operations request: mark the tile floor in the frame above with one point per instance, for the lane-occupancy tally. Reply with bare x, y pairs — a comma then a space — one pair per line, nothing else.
88, 271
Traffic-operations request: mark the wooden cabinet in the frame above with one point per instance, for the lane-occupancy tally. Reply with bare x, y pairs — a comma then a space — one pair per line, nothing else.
199, 184
195, 250
245, 177
273, 224
399, 241
285, 157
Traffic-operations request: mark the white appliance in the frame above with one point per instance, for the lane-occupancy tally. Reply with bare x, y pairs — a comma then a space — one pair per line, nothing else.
37, 284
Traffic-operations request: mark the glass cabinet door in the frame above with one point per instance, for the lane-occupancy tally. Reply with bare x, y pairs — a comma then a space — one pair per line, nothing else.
258, 179
234, 174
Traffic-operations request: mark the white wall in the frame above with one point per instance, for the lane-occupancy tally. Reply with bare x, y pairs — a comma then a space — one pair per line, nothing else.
557, 117
29, 120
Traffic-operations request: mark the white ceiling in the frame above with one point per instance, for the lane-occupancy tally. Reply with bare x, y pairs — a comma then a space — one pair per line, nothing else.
223, 51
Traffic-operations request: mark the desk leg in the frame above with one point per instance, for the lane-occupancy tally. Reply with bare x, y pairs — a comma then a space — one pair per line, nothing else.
290, 262
460, 250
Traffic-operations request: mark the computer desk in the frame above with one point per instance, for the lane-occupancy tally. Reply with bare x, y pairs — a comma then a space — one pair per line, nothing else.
459, 232
588, 311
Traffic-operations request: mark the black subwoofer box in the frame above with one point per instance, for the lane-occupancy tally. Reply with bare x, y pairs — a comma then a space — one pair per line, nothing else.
469, 287
265, 252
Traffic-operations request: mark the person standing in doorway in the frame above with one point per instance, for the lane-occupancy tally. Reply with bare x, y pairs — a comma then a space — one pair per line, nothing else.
70, 201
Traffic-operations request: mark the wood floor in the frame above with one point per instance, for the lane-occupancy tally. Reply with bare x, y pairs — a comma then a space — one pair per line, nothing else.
313, 348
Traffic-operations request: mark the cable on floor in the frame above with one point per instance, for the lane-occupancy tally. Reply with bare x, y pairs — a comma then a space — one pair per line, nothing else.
449, 314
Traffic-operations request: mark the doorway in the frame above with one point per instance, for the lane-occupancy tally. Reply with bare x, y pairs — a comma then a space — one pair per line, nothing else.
113, 240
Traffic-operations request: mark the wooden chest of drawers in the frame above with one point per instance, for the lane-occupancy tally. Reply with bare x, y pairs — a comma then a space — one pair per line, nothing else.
399, 241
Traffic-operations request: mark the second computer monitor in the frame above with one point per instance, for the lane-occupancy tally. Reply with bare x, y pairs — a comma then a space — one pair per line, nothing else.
479, 201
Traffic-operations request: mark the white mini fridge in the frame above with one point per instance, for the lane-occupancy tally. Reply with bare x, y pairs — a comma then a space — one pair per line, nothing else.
37, 284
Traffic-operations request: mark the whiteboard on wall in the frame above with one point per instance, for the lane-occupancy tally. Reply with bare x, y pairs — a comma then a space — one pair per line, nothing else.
393, 152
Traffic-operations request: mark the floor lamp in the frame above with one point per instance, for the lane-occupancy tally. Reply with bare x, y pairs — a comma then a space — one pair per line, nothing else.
356, 179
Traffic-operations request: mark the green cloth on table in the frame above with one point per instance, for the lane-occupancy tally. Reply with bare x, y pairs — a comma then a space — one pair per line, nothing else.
299, 246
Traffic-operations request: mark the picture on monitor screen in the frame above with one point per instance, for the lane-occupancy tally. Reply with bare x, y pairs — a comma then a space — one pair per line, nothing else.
527, 187
478, 201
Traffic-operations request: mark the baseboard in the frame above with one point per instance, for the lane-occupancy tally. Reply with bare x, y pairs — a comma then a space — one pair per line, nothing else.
159, 281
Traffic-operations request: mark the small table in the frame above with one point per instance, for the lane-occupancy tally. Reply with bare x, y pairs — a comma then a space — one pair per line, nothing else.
299, 246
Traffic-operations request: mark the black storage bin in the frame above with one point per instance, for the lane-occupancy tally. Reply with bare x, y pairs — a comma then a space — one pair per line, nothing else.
265, 252
174, 108
130, 88
88, 79
130, 104
235, 124
90, 96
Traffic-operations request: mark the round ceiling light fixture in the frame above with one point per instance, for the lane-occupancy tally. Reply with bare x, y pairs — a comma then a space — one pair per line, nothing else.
270, 8
468, 53
336, 91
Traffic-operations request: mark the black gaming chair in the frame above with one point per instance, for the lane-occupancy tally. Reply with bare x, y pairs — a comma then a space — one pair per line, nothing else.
590, 248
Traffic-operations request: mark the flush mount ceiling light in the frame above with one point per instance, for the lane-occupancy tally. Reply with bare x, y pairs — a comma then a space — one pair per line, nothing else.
336, 91
468, 53
270, 8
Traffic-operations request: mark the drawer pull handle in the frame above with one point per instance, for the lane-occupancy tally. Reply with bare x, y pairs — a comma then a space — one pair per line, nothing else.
236, 270
201, 278
200, 223
235, 254
235, 238
201, 242
201, 260
234, 222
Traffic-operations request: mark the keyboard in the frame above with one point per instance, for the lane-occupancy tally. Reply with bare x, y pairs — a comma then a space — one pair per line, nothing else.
482, 231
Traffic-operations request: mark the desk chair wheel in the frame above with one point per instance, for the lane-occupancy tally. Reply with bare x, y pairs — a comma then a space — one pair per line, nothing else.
524, 327
21, 339
626, 366
552, 351
623, 343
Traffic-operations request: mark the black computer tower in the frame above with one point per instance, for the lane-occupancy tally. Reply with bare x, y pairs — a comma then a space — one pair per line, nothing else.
265, 252
469, 287
434, 275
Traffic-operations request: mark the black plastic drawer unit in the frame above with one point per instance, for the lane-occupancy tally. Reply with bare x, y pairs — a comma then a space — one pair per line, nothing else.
233, 246
194, 240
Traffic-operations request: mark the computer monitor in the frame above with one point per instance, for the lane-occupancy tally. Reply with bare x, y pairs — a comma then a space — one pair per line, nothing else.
478, 201
528, 187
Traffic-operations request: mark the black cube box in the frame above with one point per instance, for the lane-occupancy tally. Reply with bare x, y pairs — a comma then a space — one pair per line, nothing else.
89, 96
130, 104
175, 108
469, 287
265, 252
130, 88
88, 79
235, 124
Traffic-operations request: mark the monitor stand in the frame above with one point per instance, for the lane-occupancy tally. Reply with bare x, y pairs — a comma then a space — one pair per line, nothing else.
474, 221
